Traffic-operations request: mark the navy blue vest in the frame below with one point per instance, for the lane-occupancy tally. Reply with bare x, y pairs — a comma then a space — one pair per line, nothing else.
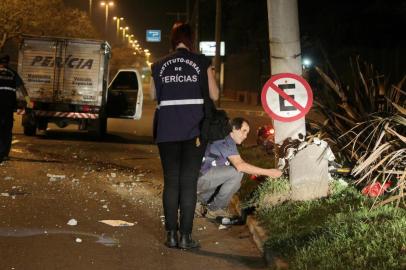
177, 79
9, 81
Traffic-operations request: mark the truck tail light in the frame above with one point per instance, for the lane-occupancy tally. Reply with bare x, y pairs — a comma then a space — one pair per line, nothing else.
85, 108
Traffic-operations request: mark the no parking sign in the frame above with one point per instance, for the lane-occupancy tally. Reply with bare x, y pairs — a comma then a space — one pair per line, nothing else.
286, 97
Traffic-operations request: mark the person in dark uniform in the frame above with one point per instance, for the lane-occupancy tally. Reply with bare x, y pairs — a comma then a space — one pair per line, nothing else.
10, 81
176, 84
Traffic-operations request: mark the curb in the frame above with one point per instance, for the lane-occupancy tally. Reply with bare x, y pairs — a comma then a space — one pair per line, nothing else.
258, 233
259, 236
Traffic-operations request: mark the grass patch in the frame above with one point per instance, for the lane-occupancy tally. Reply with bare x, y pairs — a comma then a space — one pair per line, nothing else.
339, 232
255, 155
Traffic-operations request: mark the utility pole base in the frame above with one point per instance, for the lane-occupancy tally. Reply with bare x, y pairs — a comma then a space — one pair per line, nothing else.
309, 174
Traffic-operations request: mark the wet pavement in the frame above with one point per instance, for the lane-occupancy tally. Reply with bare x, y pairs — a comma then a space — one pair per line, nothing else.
54, 178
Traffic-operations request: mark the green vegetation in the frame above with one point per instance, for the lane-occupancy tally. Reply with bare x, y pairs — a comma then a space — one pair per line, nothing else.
338, 232
254, 155
366, 130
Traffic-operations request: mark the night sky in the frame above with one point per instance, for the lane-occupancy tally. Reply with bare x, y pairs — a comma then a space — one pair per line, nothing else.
139, 16
341, 27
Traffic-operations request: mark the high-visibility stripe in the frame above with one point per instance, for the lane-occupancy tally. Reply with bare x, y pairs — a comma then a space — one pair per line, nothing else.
177, 102
7, 88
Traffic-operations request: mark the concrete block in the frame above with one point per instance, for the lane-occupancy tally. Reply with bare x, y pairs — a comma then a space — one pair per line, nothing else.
308, 173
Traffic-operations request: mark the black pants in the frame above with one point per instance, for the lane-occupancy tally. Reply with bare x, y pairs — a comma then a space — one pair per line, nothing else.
181, 163
6, 128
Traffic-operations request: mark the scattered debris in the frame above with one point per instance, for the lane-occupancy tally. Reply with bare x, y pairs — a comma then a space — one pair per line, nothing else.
8, 178
72, 222
5, 194
117, 223
55, 177
222, 227
78, 240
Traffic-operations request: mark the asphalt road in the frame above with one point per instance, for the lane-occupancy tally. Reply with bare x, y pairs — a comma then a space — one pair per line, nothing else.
64, 174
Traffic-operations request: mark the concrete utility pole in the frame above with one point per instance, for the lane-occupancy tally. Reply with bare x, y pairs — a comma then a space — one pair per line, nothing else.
285, 55
308, 170
217, 63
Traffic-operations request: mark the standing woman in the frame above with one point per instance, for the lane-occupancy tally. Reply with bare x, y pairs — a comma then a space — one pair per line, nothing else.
178, 80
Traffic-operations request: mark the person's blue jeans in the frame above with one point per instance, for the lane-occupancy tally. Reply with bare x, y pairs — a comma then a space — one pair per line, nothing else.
181, 162
225, 177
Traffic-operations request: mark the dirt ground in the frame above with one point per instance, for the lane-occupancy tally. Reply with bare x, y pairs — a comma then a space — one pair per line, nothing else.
62, 176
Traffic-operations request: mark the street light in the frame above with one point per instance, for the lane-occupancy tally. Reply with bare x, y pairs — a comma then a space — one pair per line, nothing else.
118, 19
106, 5
90, 9
124, 30
130, 38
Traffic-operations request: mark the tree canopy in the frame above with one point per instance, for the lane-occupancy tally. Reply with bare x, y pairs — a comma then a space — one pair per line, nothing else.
42, 17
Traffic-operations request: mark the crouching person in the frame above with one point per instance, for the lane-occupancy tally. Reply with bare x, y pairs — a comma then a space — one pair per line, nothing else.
222, 170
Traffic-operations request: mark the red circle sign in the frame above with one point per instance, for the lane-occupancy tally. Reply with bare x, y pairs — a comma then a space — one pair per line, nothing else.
286, 97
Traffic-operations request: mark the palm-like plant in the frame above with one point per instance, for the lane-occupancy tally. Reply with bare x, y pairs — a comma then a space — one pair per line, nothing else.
367, 126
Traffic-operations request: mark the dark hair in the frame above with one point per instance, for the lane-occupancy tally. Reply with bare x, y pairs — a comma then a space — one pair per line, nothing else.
182, 33
237, 122
4, 59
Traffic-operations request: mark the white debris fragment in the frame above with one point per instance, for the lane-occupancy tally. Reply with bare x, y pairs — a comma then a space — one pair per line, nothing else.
4, 194
117, 223
78, 240
105, 206
8, 178
222, 227
55, 177
113, 175
72, 222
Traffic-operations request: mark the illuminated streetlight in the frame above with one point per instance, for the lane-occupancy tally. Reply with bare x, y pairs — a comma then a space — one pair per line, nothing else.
106, 5
118, 19
124, 29
130, 38
90, 8
306, 62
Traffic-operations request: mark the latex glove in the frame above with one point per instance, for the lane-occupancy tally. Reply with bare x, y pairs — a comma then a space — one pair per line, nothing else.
29, 103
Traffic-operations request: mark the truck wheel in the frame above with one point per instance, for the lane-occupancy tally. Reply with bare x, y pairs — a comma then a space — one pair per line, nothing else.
42, 124
99, 127
30, 130
102, 127
29, 124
